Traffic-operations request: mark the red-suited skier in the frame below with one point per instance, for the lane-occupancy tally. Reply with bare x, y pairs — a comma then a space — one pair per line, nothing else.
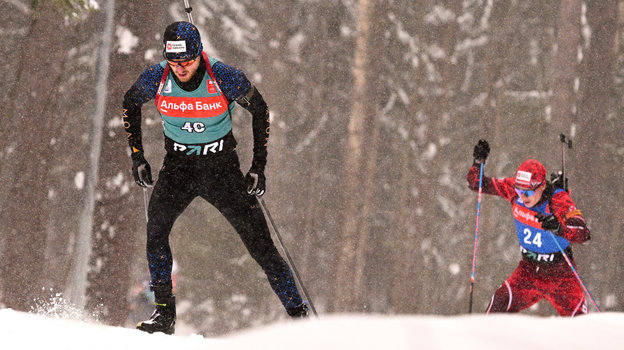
539, 208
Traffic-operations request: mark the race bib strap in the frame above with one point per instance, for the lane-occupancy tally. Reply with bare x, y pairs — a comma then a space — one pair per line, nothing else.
545, 258
205, 150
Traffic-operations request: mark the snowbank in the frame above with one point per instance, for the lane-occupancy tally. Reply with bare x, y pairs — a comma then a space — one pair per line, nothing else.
596, 331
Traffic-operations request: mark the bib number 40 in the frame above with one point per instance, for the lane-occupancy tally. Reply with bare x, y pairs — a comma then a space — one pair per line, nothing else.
194, 127
532, 239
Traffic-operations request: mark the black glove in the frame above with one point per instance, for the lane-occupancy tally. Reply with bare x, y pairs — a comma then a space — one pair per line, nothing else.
255, 182
481, 151
141, 170
549, 222
558, 181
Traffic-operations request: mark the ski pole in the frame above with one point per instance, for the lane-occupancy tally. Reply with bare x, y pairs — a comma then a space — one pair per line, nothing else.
476, 239
145, 202
290, 262
188, 9
578, 277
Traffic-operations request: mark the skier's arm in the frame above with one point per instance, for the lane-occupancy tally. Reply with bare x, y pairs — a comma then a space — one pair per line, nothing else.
236, 87
132, 123
255, 104
143, 90
499, 187
573, 226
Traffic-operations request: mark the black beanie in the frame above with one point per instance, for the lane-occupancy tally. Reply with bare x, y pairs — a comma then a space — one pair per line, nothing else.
181, 41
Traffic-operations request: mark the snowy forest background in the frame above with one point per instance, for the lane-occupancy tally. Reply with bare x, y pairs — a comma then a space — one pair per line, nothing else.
376, 106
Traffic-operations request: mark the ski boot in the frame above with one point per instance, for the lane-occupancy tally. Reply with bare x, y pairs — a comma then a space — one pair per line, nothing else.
300, 311
164, 317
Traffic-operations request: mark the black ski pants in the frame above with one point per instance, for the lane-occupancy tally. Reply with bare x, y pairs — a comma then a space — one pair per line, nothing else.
219, 181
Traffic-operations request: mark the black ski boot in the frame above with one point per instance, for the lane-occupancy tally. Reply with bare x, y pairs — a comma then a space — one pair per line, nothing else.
164, 317
300, 311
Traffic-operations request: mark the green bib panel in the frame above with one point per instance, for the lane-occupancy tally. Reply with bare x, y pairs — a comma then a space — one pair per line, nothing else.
193, 117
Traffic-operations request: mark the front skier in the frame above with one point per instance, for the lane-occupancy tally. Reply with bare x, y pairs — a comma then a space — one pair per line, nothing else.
538, 207
194, 95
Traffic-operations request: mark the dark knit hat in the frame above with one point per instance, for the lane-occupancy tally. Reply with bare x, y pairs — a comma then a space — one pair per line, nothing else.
530, 175
181, 41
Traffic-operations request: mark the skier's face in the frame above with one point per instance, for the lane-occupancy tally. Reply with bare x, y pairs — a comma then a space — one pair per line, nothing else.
184, 71
534, 198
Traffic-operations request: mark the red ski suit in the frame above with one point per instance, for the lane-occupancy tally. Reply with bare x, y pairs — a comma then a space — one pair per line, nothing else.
540, 274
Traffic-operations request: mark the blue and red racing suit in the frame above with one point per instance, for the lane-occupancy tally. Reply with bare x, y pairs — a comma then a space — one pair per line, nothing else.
543, 271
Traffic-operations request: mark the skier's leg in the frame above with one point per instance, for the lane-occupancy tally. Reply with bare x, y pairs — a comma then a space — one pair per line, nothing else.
516, 293
244, 214
170, 197
565, 293
252, 228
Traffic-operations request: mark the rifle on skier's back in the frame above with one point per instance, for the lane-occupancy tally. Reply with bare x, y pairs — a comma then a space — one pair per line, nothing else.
559, 179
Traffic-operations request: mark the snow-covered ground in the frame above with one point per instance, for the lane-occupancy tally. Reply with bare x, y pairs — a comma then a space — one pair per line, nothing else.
595, 331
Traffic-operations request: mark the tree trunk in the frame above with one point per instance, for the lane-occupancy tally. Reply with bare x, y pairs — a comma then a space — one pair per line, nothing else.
359, 166
565, 66
82, 251
598, 136
30, 118
119, 208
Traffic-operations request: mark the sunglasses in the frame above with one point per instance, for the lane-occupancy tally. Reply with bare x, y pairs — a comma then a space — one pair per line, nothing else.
527, 193
182, 64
